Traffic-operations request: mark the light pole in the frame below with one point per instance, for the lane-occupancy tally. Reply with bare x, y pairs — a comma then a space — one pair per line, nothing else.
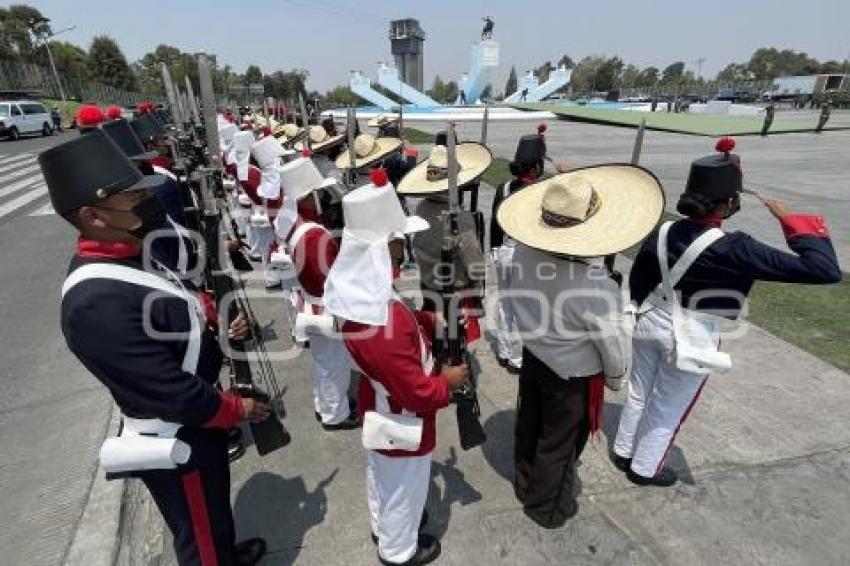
41, 30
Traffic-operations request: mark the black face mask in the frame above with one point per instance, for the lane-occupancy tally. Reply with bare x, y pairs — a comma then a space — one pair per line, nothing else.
152, 214
734, 207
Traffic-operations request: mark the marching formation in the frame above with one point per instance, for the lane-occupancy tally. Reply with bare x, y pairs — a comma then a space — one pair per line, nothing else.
173, 209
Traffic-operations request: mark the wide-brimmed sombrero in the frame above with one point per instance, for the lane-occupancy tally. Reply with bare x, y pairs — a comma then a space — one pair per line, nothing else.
288, 132
588, 212
319, 139
431, 176
382, 120
367, 150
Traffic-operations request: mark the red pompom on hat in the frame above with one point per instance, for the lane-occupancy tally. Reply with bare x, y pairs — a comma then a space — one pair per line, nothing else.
725, 145
266, 131
541, 128
145, 107
378, 177
89, 116
114, 112
306, 153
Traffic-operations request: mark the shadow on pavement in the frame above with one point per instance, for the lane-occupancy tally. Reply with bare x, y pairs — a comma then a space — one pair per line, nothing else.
280, 510
455, 489
499, 448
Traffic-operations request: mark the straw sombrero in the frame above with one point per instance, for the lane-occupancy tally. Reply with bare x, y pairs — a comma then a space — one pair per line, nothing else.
319, 139
588, 212
381, 120
367, 150
288, 132
430, 176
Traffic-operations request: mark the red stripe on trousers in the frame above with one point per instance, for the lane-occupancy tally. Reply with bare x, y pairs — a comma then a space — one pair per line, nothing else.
200, 518
681, 422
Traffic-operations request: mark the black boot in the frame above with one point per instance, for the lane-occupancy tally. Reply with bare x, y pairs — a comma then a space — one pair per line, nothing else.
427, 551
664, 478
250, 551
235, 444
622, 464
352, 422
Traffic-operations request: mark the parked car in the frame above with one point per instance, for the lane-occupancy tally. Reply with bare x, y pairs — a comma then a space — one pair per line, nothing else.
22, 117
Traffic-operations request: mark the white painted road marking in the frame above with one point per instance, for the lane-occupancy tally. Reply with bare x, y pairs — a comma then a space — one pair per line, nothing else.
23, 200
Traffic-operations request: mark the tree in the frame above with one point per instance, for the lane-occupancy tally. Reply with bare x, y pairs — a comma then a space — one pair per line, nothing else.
486, 94
71, 61
542, 72
734, 72
180, 65
285, 85
648, 77
673, 72
253, 75
583, 78
833, 67
341, 96
630, 76
511, 85
15, 38
108, 64
608, 74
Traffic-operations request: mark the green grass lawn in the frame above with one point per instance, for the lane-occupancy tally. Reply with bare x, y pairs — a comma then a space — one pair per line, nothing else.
685, 123
418, 137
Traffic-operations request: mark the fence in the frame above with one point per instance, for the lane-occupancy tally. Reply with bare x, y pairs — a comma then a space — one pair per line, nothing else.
39, 82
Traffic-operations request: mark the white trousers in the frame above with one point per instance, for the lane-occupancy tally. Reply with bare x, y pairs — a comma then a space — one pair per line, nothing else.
397, 489
331, 377
507, 332
660, 396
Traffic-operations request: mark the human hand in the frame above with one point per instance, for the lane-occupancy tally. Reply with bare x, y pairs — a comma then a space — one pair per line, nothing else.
255, 411
239, 328
777, 208
456, 375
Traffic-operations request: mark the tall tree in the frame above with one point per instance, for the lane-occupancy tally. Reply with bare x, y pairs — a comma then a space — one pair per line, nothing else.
608, 74
648, 77
566, 61
253, 75
734, 72
542, 72
341, 96
511, 85
584, 74
673, 73
15, 25
108, 64
71, 60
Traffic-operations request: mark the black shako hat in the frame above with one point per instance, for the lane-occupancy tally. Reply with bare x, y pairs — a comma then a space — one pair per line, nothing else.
89, 169
441, 138
717, 177
530, 151
123, 135
147, 128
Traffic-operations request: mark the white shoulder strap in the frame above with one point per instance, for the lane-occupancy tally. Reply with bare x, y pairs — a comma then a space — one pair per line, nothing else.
300, 231
119, 273
671, 276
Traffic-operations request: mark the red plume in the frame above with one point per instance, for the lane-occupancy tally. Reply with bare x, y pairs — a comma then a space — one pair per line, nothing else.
144, 107
114, 112
725, 145
541, 128
378, 176
89, 116
266, 131
306, 153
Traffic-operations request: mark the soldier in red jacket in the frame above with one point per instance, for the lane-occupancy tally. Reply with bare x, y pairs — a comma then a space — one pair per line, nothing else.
400, 393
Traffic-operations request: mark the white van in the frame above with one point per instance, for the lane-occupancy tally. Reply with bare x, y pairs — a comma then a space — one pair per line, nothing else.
21, 117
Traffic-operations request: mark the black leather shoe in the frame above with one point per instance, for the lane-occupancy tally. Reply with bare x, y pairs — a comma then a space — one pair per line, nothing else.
422, 523
622, 464
249, 552
352, 422
427, 551
664, 478
235, 444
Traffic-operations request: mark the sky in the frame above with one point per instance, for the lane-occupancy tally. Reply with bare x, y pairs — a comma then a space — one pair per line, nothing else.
332, 37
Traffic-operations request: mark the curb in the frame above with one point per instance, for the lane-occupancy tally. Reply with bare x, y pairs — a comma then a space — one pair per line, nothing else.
97, 538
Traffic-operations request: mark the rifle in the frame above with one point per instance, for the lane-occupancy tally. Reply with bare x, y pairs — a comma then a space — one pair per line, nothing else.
270, 434
453, 348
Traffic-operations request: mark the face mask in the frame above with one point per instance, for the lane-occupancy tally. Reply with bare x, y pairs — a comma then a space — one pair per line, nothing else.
152, 214
731, 209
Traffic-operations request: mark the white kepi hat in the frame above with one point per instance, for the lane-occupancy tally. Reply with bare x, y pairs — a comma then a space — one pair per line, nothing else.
367, 150
431, 176
589, 212
299, 178
359, 284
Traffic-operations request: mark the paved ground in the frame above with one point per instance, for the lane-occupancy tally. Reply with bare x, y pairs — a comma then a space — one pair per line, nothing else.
53, 414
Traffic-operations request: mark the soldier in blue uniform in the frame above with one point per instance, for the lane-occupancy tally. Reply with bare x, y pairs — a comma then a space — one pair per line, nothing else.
151, 342
709, 274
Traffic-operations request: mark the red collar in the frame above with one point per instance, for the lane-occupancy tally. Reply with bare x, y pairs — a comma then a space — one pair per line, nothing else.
528, 179
94, 249
709, 222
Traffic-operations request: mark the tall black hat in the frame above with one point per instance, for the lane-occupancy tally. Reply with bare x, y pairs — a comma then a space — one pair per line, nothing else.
89, 169
441, 138
162, 115
147, 128
717, 177
530, 151
122, 134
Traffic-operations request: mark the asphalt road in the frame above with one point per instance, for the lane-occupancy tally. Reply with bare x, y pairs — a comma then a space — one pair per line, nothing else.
53, 414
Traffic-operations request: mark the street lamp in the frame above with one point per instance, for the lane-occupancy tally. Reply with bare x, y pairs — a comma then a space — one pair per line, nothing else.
40, 28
